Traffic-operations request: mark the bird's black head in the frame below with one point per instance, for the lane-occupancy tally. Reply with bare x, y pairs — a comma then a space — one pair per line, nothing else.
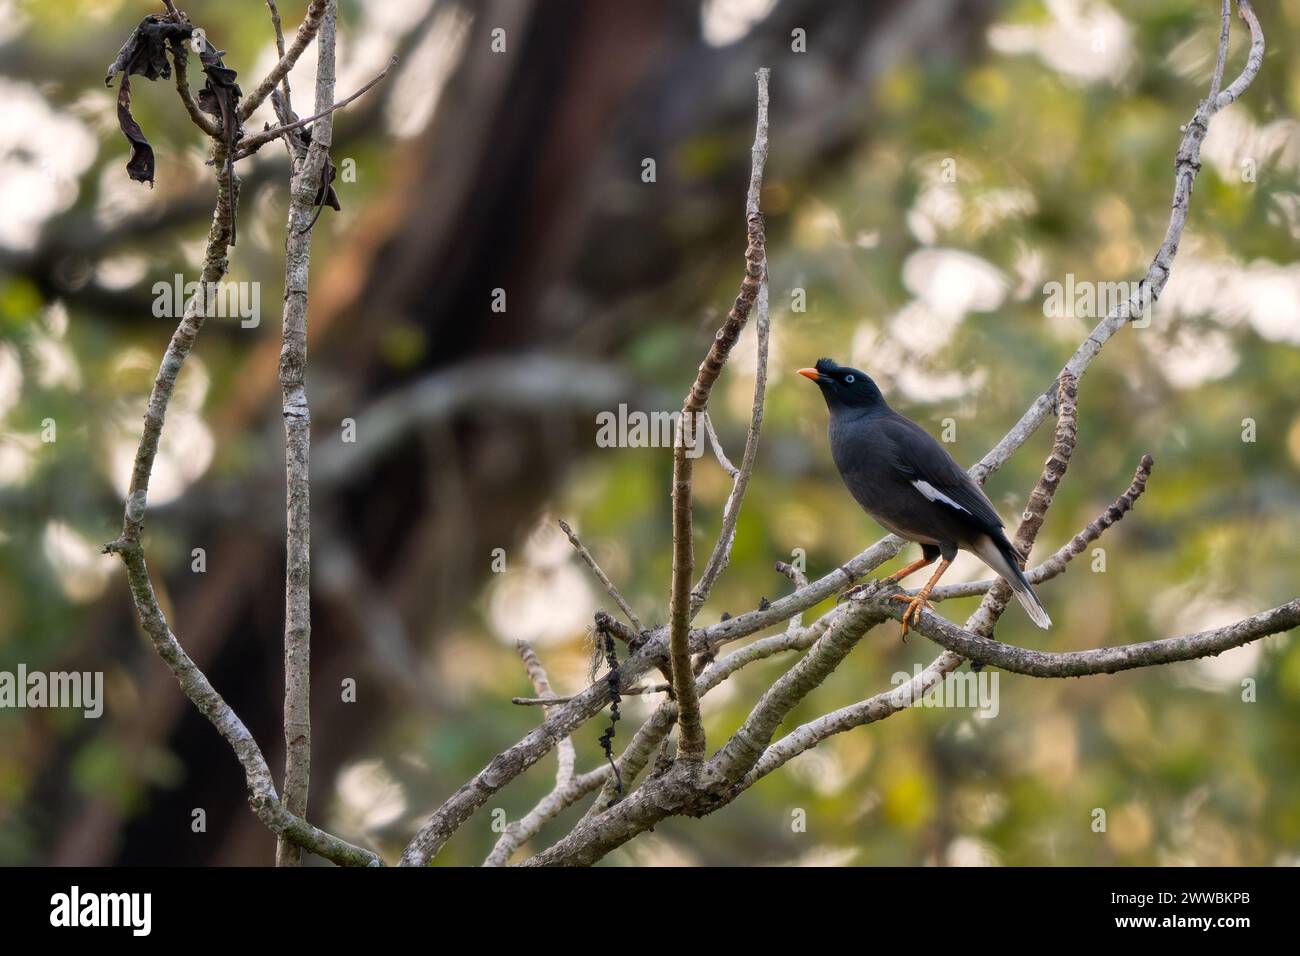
844, 387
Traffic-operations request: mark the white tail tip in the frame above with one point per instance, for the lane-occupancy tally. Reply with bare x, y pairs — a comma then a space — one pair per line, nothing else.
1036, 612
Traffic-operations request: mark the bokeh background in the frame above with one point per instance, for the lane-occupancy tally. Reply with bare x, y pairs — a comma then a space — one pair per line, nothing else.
476, 430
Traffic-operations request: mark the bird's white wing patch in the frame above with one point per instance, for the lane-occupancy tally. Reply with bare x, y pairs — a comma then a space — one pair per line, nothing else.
934, 494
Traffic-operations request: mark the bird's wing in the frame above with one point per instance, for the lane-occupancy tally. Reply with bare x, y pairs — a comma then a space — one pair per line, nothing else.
927, 466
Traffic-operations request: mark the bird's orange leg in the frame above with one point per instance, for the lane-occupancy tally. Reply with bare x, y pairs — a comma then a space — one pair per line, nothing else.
892, 579
920, 601
904, 572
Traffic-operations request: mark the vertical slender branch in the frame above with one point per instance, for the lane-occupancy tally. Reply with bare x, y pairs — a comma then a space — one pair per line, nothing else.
690, 729
1225, 26
297, 437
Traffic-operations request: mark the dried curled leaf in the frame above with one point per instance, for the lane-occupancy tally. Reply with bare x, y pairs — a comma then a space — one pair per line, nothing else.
143, 54
145, 51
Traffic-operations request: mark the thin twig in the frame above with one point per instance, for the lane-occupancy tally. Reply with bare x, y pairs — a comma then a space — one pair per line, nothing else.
279, 49
282, 99
251, 144
1040, 500
721, 555
610, 588
731, 470
552, 701
1254, 59
1222, 59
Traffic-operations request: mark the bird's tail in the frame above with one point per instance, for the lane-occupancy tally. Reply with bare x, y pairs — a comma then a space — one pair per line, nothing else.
1001, 556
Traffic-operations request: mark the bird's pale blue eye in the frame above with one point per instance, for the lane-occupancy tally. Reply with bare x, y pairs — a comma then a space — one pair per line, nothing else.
848, 379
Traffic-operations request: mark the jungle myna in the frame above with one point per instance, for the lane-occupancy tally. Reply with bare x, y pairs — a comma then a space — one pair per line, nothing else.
908, 483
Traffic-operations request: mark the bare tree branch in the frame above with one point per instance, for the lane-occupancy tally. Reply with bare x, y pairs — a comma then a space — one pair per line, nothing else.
1056, 563
542, 684
1076, 663
251, 144
305, 184
1109, 660
567, 790
690, 729
311, 23
656, 728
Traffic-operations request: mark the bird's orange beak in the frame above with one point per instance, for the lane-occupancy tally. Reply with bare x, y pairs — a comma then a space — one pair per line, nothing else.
811, 373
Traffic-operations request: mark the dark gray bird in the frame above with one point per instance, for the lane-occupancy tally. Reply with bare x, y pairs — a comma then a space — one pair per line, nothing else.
908, 483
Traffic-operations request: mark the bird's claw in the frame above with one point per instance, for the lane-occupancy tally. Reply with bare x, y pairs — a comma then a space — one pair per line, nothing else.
915, 605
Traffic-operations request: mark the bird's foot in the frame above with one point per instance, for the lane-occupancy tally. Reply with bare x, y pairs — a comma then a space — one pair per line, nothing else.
915, 605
